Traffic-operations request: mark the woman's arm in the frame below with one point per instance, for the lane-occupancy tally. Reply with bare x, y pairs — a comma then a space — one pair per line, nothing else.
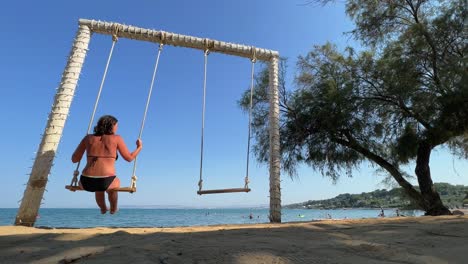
124, 152
79, 151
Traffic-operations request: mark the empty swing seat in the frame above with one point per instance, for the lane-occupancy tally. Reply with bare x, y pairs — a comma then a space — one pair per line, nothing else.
121, 189
233, 190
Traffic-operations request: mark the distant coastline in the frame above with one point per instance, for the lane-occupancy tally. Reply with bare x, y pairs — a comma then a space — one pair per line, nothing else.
453, 196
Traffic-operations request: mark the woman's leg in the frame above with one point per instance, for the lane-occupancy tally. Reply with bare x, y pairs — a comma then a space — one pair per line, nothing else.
113, 195
101, 202
113, 199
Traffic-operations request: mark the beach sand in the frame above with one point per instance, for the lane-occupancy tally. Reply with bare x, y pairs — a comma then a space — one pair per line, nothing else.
441, 239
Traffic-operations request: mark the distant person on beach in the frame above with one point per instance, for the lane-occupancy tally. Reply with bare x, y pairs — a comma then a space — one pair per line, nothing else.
101, 148
398, 214
382, 213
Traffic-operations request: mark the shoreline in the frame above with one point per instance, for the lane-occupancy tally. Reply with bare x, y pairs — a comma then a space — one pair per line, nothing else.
56, 218
424, 239
128, 218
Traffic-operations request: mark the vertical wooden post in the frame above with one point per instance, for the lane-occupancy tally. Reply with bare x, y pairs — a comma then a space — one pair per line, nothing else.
275, 155
43, 162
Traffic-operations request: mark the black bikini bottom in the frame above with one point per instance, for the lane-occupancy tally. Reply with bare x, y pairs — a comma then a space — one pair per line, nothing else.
96, 184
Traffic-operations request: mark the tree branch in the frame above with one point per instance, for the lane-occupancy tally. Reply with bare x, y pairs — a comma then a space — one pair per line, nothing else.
394, 171
400, 104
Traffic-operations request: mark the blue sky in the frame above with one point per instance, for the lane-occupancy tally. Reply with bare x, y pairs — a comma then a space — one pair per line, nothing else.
36, 37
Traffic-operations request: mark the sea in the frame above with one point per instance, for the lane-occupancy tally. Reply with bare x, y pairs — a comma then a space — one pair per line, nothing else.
146, 217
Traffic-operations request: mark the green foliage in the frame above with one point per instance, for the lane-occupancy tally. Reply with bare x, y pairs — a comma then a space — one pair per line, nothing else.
409, 86
465, 201
452, 195
406, 144
392, 103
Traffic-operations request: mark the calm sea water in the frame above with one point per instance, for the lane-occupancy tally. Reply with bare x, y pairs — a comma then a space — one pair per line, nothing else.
78, 218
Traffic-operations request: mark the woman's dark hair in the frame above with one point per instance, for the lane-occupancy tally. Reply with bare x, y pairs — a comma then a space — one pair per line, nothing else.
105, 125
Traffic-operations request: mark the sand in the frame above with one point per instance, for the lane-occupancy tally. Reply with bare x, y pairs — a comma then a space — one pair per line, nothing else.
441, 239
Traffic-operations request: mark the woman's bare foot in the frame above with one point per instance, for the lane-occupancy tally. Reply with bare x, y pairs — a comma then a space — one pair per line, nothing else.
104, 210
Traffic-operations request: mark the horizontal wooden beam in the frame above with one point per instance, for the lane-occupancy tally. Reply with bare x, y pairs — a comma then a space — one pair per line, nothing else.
168, 38
233, 190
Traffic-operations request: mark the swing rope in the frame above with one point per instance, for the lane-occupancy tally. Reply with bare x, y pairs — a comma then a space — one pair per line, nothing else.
200, 182
74, 181
134, 177
253, 60
246, 180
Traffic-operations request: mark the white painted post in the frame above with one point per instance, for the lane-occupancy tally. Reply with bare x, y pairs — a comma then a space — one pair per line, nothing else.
34, 192
275, 155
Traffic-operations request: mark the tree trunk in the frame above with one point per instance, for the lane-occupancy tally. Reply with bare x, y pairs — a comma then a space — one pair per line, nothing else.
409, 190
433, 204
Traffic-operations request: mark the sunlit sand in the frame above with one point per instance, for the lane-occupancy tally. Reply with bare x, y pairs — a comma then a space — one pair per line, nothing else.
385, 240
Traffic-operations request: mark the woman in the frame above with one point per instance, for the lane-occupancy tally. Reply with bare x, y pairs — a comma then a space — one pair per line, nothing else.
101, 148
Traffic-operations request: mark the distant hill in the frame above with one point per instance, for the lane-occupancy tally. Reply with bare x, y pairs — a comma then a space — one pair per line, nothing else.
453, 196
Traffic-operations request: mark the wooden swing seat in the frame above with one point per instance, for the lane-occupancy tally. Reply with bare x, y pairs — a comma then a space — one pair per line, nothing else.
233, 190
121, 189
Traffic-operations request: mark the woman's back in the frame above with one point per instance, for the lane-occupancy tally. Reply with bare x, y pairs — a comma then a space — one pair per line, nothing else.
101, 152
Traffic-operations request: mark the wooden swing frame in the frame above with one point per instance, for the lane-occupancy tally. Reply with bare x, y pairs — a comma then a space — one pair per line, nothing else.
31, 201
